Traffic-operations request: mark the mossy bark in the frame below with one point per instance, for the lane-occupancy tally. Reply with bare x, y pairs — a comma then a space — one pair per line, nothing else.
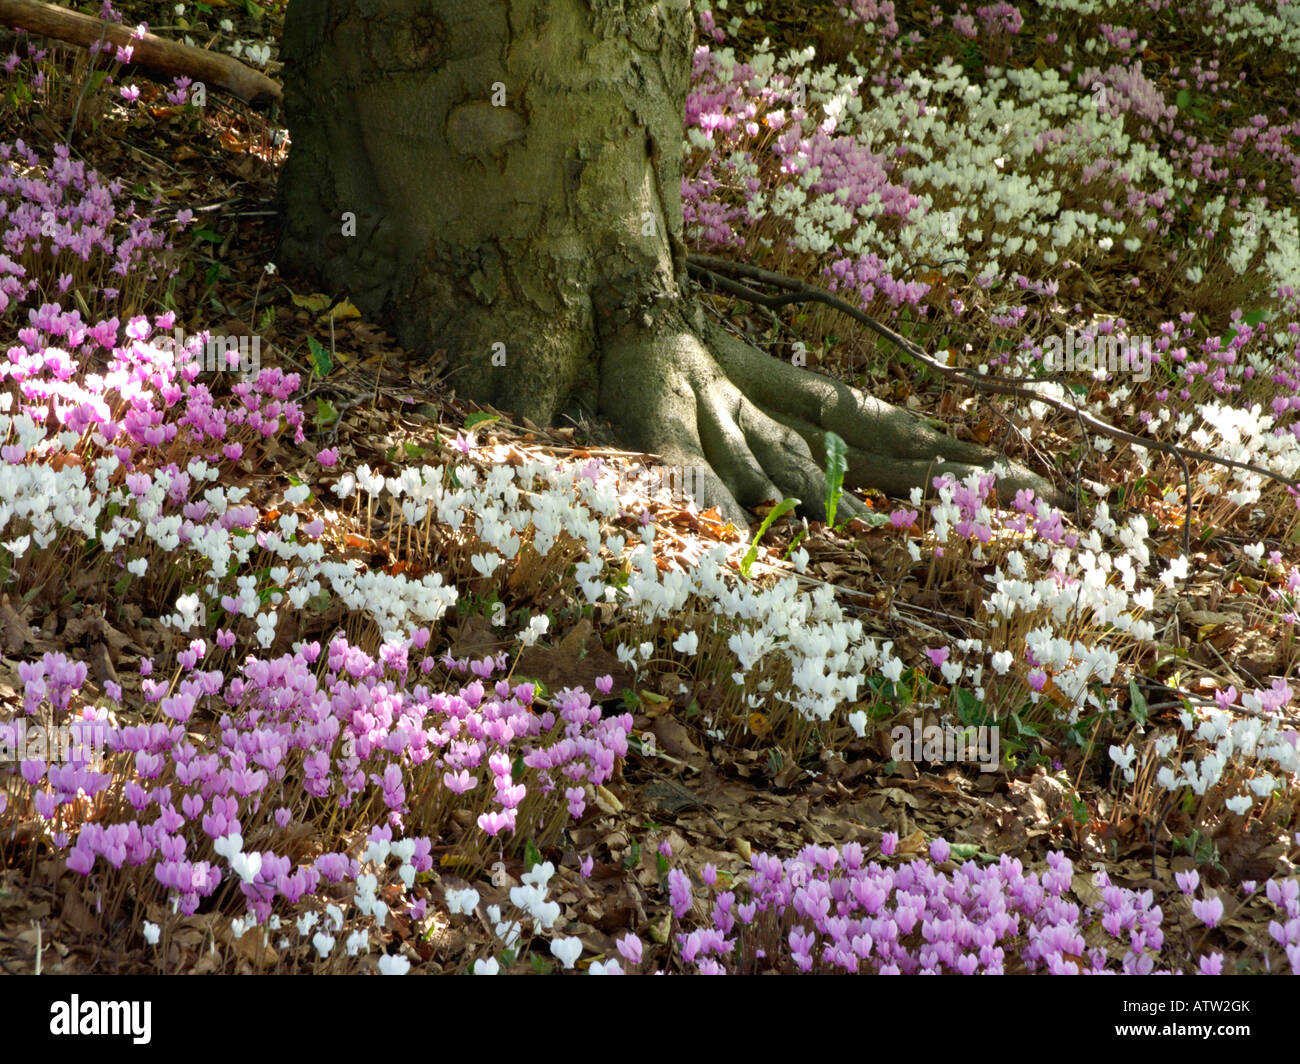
501, 180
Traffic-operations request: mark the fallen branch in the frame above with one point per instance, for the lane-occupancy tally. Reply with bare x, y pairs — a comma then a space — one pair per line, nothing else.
170, 57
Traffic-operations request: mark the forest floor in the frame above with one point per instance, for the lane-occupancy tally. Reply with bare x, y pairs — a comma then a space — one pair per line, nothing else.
684, 789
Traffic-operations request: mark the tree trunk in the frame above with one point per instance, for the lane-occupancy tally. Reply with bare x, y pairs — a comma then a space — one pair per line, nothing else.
502, 181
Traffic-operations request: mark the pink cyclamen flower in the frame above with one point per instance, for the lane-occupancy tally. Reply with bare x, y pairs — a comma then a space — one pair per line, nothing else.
630, 947
679, 892
1209, 911
459, 782
494, 823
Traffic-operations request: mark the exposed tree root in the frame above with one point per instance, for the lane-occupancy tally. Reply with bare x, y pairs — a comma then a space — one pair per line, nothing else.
754, 426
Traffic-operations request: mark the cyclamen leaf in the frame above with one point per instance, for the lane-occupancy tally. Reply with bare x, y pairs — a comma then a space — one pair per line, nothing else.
781, 508
1137, 704
836, 464
320, 357
326, 413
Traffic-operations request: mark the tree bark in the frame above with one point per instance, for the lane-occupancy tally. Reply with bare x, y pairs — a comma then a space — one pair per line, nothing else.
502, 181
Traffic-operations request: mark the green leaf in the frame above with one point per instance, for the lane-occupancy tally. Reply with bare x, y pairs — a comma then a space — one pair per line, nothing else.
532, 857
1081, 814
794, 543
836, 464
211, 236
326, 413
751, 555
321, 360
480, 418
1137, 704
1247, 321
1183, 99
408, 452
969, 708
1024, 728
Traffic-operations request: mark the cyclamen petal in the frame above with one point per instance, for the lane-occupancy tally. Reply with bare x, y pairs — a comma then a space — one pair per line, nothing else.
1209, 911
393, 964
567, 950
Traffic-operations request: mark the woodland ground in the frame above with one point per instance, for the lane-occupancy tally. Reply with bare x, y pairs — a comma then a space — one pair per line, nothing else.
715, 772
